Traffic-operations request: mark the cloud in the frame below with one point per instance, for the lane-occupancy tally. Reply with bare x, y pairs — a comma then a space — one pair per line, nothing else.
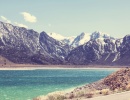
20, 25
5, 19
29, 18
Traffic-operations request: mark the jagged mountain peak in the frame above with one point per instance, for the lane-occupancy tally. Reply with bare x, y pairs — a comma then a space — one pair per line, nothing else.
102, 51
126, 39
84, 33
44, 34
63, 39
80, 39
10, 27
21, 45
98, 34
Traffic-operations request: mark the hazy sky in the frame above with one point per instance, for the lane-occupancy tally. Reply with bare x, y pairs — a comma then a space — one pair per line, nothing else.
69, 17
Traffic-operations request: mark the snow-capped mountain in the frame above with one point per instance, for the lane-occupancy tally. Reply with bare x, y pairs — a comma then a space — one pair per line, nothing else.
73, 40
100, 35
80, 39
56, 36
63, 39
21, 45
97, 51
68, 40
85, 37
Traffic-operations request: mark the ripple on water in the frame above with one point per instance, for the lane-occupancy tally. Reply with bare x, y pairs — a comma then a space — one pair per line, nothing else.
25, 85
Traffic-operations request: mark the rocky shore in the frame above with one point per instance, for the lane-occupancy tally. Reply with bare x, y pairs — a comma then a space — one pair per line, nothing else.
114, 83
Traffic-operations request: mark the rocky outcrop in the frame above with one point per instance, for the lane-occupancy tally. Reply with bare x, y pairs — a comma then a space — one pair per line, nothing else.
115, 81
118, 80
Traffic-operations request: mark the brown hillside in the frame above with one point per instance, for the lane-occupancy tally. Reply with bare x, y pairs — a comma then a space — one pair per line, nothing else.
119, 79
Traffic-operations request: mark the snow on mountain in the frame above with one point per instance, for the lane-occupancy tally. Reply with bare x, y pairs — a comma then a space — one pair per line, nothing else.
63, 39
68, 40
98, 34
85, 37
73, 40
56, 36
95, 50
81, 39
21, 45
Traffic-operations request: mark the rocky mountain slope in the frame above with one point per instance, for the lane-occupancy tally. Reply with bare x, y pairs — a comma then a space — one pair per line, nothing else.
81, 39
102, 50
97, 51
85, 37
20, 45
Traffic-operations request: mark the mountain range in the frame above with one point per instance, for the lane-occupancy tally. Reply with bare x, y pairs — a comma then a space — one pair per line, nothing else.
76, 41
26, 46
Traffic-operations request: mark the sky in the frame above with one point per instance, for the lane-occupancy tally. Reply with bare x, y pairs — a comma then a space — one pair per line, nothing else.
69, 17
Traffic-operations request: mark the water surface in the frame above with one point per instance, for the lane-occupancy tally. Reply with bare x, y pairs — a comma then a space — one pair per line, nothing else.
27, 84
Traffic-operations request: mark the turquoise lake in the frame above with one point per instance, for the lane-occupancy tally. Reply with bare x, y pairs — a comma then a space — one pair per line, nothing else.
27, 84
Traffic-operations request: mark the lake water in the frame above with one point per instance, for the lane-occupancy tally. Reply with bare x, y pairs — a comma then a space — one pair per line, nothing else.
27, 84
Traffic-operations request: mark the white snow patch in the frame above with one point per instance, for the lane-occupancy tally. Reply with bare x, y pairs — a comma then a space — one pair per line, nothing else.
56, 36
84, 39
1, 35
116, 57
107, 56
61, 38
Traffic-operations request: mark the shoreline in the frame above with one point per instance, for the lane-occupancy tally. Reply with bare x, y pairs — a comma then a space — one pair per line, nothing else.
33, 67
56, 68
111, 86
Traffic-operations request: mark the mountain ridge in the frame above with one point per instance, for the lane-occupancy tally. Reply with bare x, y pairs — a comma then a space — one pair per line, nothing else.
82, 38
20, 45
26, 46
